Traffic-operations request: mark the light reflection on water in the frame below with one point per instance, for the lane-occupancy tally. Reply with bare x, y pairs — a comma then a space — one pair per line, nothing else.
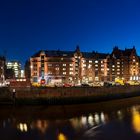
99, 125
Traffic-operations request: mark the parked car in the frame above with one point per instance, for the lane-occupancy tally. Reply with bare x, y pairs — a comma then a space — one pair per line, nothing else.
85, 85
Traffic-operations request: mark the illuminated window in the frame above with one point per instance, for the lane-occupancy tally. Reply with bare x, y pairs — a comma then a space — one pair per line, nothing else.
71, 64
64, 64
64, 68
84, 65
96, 78
102, 69
102, 65
71, 68
71, 73
118, 69
56, 68
118, 73
113, 66
96, 61
89, 66
96, 65
64, 73
90, 61
118, 66
118, 62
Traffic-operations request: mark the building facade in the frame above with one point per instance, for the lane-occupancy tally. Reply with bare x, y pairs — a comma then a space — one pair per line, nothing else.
123, 64
77, 67
2, 70
68, 66
14, 66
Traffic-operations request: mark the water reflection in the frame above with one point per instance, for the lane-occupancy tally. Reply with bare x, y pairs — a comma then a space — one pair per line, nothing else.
40, 125
22, 127
61, 136
98, 125
136, 119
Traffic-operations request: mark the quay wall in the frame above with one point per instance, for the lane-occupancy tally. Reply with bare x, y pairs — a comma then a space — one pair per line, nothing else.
63, 95
74, 95
75, 91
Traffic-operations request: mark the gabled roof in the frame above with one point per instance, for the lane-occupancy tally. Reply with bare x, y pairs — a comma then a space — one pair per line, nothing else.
127, 52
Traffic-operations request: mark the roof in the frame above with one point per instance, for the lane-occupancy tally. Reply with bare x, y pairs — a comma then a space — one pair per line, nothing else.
55, 53
58, 53
87, 54
118, 53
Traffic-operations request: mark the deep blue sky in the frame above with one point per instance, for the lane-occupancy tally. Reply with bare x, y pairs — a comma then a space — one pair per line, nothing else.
27, 26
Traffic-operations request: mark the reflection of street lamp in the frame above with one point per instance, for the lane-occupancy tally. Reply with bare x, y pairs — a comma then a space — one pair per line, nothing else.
61, 136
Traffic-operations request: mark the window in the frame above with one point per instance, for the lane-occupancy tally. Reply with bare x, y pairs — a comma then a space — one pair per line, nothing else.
42, 57
89, 66
64, 64
64, 68
57, 68
71, 73
90, 61
102, 65
113, 66
71, 68
71, 64
84, 65
64, 73
96, 61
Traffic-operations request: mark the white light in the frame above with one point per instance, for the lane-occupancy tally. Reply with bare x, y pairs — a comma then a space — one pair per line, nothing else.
90, 120
97, 118
102, 117
83, 120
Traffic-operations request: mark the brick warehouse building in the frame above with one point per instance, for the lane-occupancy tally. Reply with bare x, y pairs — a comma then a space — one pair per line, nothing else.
84, 67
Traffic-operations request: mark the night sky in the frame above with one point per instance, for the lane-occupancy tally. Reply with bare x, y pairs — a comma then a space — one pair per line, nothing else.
27, 26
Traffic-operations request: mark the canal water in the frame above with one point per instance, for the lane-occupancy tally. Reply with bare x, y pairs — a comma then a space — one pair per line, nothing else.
114, 120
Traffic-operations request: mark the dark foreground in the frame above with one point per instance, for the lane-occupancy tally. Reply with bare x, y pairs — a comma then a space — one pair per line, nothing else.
117, 120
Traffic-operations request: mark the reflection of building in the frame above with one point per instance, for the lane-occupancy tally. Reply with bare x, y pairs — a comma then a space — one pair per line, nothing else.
84, 67
2, 69
16, 66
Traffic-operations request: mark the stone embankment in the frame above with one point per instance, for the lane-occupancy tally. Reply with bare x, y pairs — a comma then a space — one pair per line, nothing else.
73, 95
